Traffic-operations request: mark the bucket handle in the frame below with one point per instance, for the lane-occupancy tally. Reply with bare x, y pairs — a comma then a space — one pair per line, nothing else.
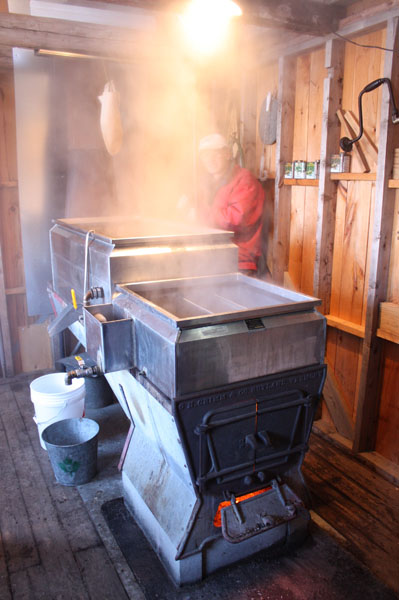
52, 418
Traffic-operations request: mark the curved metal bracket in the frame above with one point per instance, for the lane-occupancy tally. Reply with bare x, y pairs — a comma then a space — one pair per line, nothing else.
345, 143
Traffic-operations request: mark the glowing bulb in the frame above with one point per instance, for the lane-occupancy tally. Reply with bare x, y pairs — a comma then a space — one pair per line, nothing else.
205, 23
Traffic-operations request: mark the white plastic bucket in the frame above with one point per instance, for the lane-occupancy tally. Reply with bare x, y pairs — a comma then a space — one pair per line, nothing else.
54, 400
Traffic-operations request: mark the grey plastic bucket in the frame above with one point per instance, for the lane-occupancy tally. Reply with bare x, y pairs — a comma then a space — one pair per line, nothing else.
98, 392
72, 449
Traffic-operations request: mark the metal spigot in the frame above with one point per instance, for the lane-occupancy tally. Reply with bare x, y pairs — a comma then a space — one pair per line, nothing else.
81, 372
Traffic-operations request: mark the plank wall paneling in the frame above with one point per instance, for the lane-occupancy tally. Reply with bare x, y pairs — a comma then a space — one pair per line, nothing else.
343, 351
352, 232
380, 246
6, 358
393, 280
310, 73
314, 125
10, 232
348, 287
327, 195
299, 152
388, 418
284, 147
6, 361
354, 211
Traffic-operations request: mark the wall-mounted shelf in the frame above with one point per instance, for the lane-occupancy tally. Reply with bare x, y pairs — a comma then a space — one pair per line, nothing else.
387, 335
389, 322
344, 325
303, 182
393, 183
352, 176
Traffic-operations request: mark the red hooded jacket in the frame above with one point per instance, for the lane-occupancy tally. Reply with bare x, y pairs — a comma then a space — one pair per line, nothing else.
238, 206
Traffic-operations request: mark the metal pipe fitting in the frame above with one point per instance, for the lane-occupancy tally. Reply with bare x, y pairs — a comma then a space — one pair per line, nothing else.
92, 294
81, 372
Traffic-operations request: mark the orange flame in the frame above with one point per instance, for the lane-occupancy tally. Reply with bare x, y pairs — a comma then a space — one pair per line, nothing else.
217, 521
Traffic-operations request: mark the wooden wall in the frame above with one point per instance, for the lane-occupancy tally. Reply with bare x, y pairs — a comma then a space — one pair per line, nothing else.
10, 231
353, 230
310, 73
354, 222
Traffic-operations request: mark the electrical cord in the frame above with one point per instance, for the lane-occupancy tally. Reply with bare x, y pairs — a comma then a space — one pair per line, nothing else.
365, 45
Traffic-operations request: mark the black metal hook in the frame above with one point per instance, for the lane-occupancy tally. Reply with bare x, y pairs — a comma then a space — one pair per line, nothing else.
345, 143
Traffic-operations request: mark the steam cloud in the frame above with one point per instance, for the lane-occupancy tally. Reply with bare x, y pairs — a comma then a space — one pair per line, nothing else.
166, 104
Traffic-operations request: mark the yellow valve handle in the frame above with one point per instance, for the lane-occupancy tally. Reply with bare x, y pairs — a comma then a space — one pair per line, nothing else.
73, 296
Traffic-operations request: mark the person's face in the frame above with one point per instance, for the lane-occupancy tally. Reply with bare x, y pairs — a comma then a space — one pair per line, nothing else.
216, 162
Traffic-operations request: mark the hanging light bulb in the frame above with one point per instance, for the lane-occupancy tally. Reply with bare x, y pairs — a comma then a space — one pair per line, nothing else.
205, 23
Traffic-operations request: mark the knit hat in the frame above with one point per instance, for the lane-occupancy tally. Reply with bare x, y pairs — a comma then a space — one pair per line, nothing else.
214, 141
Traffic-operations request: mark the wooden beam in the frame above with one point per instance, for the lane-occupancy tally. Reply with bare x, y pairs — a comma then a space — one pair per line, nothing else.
327, 199
305, 16
369, 18
298, 44
337, 407
149, 5
5, 337
308, 15
368, 394
284, 147
6, 359
24, 31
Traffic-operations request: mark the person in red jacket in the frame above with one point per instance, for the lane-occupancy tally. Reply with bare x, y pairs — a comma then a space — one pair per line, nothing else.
231, 198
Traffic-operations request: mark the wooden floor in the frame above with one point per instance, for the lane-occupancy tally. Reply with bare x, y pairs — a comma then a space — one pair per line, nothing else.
54, 545
51, 547
361, 506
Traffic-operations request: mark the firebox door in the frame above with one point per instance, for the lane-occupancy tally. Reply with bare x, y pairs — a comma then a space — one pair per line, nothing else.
251, 436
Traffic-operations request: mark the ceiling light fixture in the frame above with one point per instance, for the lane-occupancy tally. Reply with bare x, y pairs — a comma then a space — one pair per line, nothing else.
205, 23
